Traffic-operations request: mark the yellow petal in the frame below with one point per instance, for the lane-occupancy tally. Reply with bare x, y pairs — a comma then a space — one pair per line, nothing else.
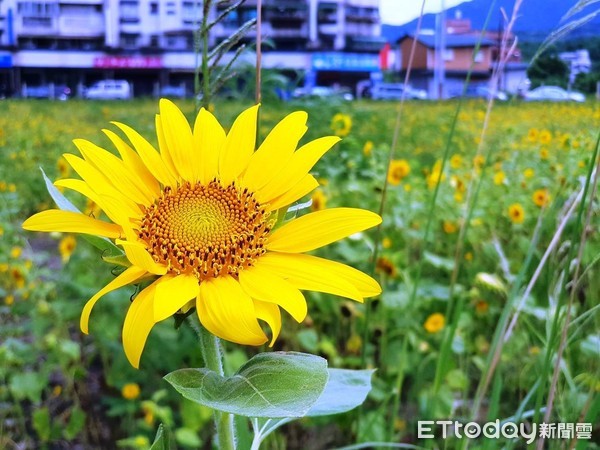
275, 151
149, 156
209, 137
139, 256
228, 312
299, 190
165, 153
321, 275
138, 324
178, 135
130, 275
172, 293
71, 222
111, 166
134, 163
261, 284
238, 146
269, 313
320, 228
296, 169
100, 184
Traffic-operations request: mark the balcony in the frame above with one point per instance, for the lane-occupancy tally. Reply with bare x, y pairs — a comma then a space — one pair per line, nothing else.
36, 25
81, 25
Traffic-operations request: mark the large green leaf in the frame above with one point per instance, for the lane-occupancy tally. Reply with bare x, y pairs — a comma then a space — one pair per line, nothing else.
345, 390
163, 439
278, 384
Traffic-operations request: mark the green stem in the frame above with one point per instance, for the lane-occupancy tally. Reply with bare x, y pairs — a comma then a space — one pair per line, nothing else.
210, 346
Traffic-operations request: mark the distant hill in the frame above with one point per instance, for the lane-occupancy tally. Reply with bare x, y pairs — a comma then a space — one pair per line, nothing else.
537, 18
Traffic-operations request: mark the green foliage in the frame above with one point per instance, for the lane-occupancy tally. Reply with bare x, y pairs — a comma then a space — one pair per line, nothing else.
269, 385
548, 69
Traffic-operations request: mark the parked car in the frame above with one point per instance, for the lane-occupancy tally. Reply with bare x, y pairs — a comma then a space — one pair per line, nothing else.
173, 91
109, 90
53, 91
323, 92
396, 91
553, 94
475, 91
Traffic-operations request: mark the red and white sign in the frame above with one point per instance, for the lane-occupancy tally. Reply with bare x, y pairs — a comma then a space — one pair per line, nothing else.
128, 62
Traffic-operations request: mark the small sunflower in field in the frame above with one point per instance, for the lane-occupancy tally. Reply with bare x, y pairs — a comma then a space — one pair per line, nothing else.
319, 200
499, 178
368, 148
435, 323
198, 218
399, 169
63, 167
386, 266
528, 173
449, 227
533, 135
66, 247
456, 161
545, 137
541, 197
516, 213
341, 124
130, 391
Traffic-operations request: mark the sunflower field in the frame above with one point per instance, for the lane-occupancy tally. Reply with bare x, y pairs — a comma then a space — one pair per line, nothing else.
486, 255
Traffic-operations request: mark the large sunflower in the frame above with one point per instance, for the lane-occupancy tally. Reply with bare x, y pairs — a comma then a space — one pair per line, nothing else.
199, 216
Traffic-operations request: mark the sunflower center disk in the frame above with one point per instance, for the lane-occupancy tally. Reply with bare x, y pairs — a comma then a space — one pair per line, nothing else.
208, 230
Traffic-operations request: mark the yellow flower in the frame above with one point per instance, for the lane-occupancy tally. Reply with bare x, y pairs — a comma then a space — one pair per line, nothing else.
516, 213
12, 187
368, 148
66, 246
436, 175
456, 161
18, 277
1, 230
354, 344
541, 197
434, 323
15, 252
543, 153
130, 391
398, 170
319, 200
407, 187
528, 173
386, 242
532, 135
148, 415
545, 137
386, 266
3, 186
478, 161
141, 442
9, 300
469, 256
341, 124
198, 216
63, 167
449, 227
499, 178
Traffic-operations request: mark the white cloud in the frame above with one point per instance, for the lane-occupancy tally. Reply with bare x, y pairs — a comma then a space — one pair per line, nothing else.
399, 12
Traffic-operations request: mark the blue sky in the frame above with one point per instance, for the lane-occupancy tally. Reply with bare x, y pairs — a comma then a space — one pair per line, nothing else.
398, 12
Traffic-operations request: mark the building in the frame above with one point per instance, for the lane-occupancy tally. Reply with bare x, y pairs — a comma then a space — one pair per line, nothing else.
150, 42
578, 62
459, 56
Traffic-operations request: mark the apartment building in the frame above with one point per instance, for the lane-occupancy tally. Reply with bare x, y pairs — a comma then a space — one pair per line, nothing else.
76, 42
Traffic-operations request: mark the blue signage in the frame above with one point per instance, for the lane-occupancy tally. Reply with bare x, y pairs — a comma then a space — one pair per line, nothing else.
347, 62
5, 60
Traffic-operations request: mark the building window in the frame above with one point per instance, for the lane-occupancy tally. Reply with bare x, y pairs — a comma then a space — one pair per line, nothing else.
154, 41
448, 54
129, 11
129, 40
153, 8
37, 9
170, 8
191, 12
